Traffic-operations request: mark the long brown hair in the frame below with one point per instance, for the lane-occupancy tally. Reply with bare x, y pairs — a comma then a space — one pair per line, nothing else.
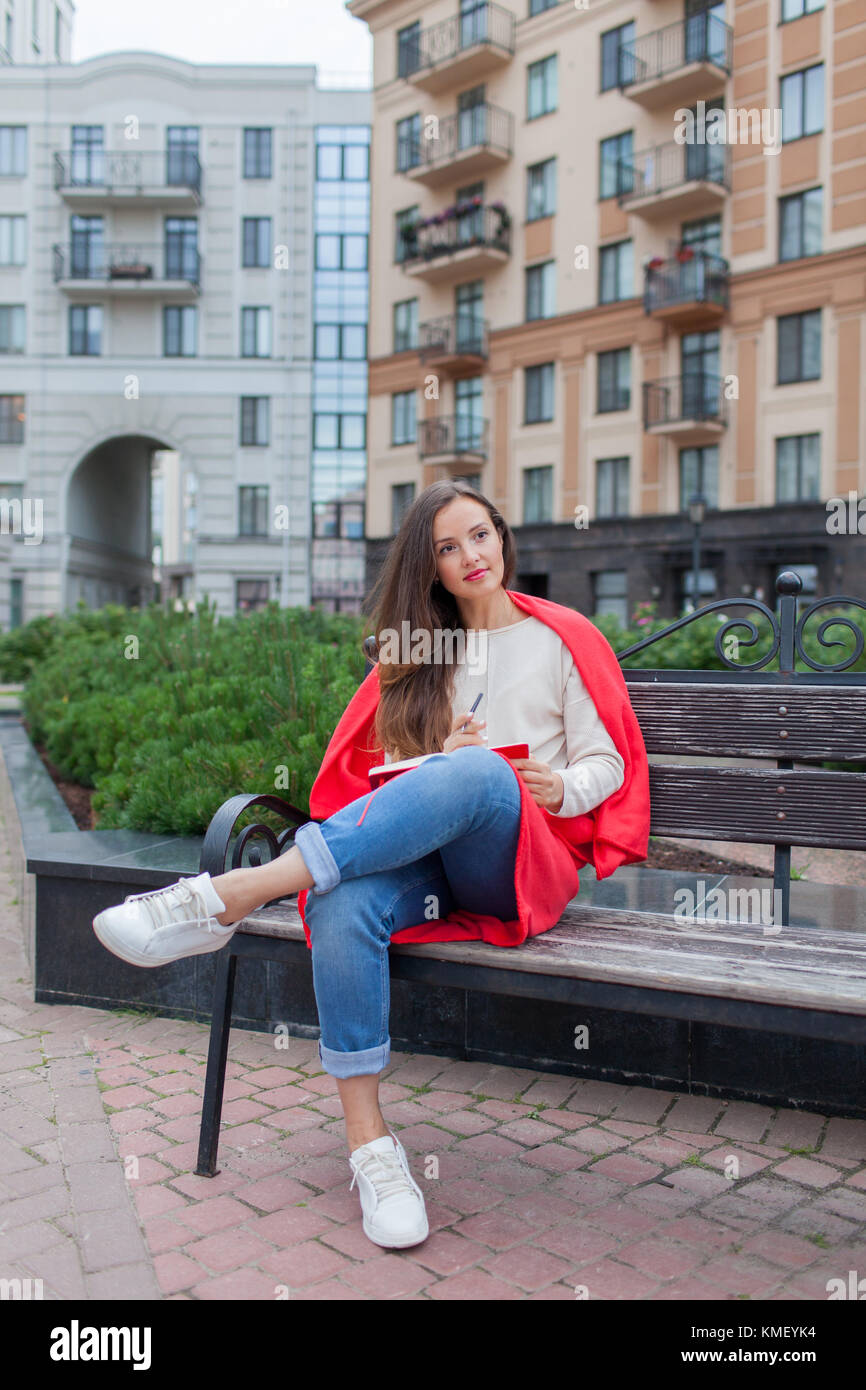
414, 713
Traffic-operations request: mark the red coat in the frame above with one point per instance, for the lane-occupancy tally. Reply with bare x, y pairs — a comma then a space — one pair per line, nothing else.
550, 849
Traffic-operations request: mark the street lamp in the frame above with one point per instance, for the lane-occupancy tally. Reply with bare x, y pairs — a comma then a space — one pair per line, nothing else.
697, 512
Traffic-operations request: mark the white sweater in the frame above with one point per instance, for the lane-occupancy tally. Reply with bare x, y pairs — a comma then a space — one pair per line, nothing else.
533, 693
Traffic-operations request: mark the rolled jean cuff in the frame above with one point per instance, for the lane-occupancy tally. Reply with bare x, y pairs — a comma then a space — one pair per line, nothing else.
319, 860
345, 1064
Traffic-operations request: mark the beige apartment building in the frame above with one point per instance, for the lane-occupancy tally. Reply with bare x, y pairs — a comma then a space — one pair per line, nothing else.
617, 262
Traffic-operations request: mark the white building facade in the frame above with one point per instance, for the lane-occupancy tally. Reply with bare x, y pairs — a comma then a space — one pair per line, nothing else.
157, 249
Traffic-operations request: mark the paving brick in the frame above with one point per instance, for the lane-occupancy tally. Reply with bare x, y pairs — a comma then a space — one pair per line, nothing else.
590, 1189
86, 1142
473, 1286
162, 1233
467, 1122
387, 1277
302, 1265
285, 1097
780, 1248
213, 1214
108, 1238
541, 1208
502, 1109
122, 1075
153, 1201
313, 1142
740, 1274
804, 1170
627, 1168
53, 1201
698, 1113
175, 1271
131, 1121
512, 1177
293, 1121
497, 1229
621, 1219
609, 1280
643, 1104
27, 1239
528, 1266
228, 1250
576, 1242
330, 1291
97, 1186
126, 1283
184, 1103
525, 1131
567, 1120
549, 1092
595, 1097
491, 1147
290, 1226
747, 1163
795, 1129
594, 1140
845, 1138
125, 1097
272, 1194
628, 1128
468, 1196
237, 1137
696, 1140
692, 1179
693, 1229
843, 1202
659, 1258
743, 1120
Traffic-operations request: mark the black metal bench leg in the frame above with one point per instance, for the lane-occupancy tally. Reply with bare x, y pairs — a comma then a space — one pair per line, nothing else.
215, 1077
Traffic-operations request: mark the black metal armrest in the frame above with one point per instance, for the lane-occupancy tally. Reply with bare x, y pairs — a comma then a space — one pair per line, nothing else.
218, 837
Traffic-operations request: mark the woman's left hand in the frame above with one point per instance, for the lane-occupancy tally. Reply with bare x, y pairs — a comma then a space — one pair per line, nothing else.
545, 787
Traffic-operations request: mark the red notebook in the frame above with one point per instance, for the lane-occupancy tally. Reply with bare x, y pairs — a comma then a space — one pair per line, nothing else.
385, 771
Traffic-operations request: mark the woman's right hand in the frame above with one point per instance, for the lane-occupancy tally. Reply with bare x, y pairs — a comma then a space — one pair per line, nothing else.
471, 734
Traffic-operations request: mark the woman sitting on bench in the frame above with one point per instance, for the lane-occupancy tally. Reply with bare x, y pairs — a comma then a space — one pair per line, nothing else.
469, 844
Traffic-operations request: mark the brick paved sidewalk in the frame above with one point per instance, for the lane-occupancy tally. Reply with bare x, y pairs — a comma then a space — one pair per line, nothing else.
545, 1185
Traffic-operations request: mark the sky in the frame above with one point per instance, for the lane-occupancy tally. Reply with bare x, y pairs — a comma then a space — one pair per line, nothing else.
231, 31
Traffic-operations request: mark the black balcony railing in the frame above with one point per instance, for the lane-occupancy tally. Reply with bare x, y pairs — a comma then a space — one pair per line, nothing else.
453, 335
89, 260
678, 399
452, 434
478, 126
702, 38
127, 170
484, 23
456, 229
692, 277
667, 167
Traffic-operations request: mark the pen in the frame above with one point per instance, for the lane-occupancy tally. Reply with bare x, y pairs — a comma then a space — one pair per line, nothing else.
472, 711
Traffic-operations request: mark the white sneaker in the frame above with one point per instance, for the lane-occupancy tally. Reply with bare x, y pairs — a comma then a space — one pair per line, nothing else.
391, 1200
157, 927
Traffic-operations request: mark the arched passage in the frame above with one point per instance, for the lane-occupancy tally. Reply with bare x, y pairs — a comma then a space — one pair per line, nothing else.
109, 538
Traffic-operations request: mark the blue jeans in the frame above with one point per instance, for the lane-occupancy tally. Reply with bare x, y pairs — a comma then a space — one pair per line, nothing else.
441, 836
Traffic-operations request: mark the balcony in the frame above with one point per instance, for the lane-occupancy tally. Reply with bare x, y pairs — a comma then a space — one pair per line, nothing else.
452, 439
689, 292
463, 241
453, 342
679, 64
461, 50
690, 409
170, 273
676, 181
470, 142
93, 179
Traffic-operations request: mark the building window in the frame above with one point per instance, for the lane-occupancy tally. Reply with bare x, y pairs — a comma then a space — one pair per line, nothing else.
346, 342
34, 24
13, 150
539, 6
537, 494
255, 420
613, 381
181, 156
612, 56
406, 325
252, 511
609, 595
13, 330
251, 595
799, 347
793, 9
541, 190
616, 173
611, 487
257, 152
255, 332
181, 248
541, 291
256, 243
538, 394
88, 155
402, 221
341, 251
347, 163
800, 218
699, 475
13, 240
408, 143
616, 272
798, 468
541, 85
16, 601
803, 103
403, 417
333, 431
402, 497
85, 330
408, 57
179, 330
11, 419
58, 34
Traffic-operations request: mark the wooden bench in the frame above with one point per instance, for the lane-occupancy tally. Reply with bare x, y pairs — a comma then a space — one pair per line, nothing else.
765, 975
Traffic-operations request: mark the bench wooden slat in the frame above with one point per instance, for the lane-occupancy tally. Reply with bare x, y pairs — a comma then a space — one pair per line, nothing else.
801, 967
743, 803
744, 721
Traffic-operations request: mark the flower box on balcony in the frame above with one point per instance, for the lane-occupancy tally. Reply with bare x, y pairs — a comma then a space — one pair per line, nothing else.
134, 270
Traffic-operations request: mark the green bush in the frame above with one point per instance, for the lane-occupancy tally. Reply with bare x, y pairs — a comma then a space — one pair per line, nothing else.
166, 714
